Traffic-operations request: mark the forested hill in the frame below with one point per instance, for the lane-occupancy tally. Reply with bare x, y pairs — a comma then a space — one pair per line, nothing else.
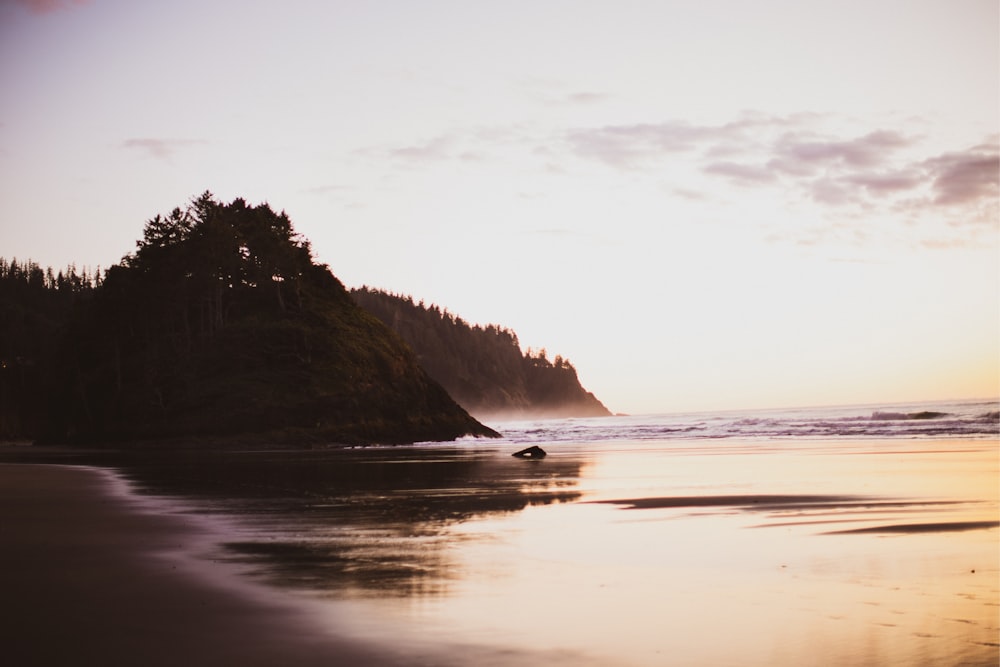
219, 325
483, 368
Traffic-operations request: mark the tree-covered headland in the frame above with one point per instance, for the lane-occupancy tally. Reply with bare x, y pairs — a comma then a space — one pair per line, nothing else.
218, 325
483, 368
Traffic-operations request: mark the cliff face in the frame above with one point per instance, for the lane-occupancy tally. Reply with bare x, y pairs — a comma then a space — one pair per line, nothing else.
483, 368
220, 325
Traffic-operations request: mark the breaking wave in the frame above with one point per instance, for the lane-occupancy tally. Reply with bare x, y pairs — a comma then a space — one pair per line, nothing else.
966, 420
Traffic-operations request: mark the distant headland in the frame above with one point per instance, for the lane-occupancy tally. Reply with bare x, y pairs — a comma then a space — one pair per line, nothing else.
483, 368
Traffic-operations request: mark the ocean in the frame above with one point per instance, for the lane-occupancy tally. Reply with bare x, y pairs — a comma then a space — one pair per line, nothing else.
952, 419
856, 535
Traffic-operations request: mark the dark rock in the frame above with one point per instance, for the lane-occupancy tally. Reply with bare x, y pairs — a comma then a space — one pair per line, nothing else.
533, 452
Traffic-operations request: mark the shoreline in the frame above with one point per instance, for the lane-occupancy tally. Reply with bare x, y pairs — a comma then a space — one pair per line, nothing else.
91, 578
525, 587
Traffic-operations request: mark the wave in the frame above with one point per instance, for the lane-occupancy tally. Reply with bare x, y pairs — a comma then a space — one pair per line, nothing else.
897, 416
952, 420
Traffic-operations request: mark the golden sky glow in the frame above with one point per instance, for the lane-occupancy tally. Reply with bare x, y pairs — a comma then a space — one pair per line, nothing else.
701, 204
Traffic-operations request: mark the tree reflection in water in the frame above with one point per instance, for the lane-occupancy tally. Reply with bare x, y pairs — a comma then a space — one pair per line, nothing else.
366, 521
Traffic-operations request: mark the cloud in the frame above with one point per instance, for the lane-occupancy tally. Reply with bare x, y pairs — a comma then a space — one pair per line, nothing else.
742, 174
881, 167
632, 145
830, 192
966, 182
468, 145
848, 184
779, 145
814, 164
886, 183
688, 194
864, 171
944, 244
966, 177
641, 144
586, 98
49, 6
160, 148
435, 149
797, 155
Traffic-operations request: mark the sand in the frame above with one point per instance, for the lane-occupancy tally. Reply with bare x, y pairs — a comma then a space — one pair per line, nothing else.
88, 579
756, 553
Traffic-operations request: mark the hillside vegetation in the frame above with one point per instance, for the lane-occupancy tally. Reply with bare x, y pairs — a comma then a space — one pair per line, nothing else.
483, 368
219, 325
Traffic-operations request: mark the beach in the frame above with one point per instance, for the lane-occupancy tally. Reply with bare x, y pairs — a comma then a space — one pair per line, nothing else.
88, 579
627, 546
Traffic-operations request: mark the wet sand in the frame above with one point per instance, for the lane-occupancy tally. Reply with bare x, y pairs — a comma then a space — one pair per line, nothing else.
625, 554
792, 503
87, 579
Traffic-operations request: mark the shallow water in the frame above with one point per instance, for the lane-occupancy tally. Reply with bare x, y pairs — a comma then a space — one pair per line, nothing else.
755, 552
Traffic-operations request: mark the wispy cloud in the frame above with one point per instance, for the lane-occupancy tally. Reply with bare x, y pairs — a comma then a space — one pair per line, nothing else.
161, 149
325, 190
475, 144
882, 168
643, 144
850, 178
782, 145
586, 97
687, 194
798, 155
345, 196
638, 145
439, 148
742, 174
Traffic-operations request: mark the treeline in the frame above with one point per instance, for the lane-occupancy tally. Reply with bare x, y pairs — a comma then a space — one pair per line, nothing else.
219, 324
35, 304
483, 367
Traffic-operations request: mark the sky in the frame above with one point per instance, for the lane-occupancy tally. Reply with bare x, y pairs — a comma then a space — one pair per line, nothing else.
710, 204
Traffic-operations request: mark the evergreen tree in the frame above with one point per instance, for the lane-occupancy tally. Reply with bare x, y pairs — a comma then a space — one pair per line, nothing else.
483, 368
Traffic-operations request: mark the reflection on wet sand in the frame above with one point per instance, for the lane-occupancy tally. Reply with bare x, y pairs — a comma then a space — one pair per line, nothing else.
868, 553
939, 527
820, 510
347, 521
367, 521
